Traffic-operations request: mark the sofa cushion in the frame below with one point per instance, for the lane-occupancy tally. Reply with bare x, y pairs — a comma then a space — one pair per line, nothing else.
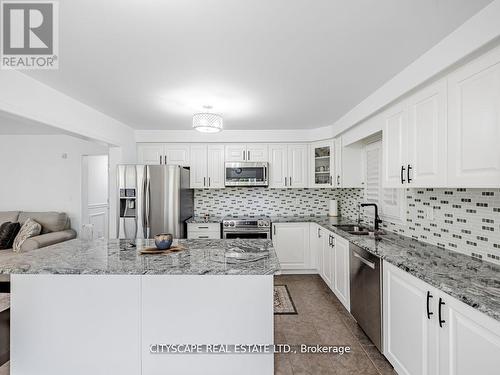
29, 229
50, 221
11, 216
8, 231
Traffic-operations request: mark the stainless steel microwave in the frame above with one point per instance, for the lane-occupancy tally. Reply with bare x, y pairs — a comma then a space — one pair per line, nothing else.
247, 174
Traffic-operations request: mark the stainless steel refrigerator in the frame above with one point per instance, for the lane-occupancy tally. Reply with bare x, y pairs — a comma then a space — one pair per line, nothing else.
153, 199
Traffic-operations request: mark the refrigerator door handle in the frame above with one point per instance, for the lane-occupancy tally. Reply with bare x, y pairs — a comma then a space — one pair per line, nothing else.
147, 202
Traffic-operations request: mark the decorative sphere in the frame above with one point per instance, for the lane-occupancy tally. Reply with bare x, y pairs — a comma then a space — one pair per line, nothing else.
163, 241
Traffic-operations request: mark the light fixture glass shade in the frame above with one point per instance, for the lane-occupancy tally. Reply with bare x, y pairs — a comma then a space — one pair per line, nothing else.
207, 122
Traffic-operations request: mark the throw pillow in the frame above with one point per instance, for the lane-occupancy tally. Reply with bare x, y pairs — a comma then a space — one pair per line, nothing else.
8, 232
29, 229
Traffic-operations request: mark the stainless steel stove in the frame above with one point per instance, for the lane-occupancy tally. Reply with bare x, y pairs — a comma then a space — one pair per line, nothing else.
248, 227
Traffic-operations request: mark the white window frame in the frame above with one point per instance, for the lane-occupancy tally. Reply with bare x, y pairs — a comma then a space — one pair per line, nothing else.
396, 213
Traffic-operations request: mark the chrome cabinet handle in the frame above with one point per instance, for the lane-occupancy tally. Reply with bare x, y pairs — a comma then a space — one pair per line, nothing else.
363, 260
338, 180
285, 181
290, 180
408, 174
274, 230
402, 174
160, 159
243, 154
204, 181
248, 155
319, 232
202, 236
209, 182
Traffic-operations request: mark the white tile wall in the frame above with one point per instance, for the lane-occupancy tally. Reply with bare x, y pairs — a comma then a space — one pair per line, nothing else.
465, 220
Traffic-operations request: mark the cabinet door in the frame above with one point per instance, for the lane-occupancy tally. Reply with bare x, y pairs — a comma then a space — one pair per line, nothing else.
150, 153
410, 338
215, 167
278, 166
177, 153
469, 340
198, 169
341, 271
316, 234
257, 152
298, 165
427, 137
327, 259
395, 137
323, 164
236, 152
474, 123
291, 241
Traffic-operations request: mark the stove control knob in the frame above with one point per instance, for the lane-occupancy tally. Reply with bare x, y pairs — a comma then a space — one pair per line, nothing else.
267, 223
226, 223
231, 223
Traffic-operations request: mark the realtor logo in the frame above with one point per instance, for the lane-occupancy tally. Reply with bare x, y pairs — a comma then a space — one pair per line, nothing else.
29, 35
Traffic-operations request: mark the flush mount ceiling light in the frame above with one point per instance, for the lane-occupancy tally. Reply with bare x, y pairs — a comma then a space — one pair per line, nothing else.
207, 122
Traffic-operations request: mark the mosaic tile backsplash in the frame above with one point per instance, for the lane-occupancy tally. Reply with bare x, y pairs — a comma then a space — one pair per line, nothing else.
262, 201
463, 220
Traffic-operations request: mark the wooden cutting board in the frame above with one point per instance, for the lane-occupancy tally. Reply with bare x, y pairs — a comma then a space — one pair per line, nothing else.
154, 250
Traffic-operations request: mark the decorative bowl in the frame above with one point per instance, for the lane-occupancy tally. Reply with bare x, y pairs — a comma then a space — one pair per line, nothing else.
163, 241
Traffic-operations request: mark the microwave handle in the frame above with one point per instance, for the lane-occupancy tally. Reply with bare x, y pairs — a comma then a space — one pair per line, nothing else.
265, 173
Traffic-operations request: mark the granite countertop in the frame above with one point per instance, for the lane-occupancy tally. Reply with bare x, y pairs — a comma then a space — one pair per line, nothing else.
201, 257
472, 281
205, 220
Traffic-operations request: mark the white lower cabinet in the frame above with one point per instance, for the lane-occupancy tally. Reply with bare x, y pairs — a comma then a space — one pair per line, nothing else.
340, 269
291, 243
326, 266
203, 231
429, 332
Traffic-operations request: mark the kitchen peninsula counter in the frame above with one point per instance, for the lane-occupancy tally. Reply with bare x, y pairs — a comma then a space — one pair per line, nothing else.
122, 257
98, 307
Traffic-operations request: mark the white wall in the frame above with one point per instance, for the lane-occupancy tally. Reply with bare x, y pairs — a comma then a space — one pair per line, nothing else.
36, 176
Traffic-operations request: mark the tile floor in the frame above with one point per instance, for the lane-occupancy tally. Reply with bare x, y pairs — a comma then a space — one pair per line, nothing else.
4, 369
322, 319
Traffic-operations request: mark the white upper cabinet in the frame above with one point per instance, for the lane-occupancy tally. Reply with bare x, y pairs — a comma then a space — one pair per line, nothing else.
236, 152
215, 166
298, 160
288, 165
177, 153
150, 153
395, 141
207, 166
426, 164
278, 165
199, 166
257, 152
414, 140
163, 153
474, 123
323, 158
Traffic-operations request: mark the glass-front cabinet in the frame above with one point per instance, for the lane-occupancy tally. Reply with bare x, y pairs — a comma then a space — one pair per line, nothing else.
323, 164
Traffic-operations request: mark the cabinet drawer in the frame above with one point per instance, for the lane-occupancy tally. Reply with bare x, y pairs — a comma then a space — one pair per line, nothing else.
207, 227
204, 235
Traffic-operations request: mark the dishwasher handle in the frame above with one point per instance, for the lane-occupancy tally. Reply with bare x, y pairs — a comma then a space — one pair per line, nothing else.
363, 260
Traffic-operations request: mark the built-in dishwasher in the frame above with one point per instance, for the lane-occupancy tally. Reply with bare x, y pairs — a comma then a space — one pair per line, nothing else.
366, 292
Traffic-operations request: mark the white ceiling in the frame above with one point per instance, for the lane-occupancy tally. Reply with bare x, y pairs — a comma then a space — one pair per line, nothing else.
263, 64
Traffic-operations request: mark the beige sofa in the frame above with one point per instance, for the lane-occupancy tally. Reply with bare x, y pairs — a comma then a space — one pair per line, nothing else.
56, 227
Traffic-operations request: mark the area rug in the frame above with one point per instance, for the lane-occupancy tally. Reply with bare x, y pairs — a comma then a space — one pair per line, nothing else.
283, 303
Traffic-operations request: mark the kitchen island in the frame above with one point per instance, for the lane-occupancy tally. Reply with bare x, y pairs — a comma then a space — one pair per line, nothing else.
101, 308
